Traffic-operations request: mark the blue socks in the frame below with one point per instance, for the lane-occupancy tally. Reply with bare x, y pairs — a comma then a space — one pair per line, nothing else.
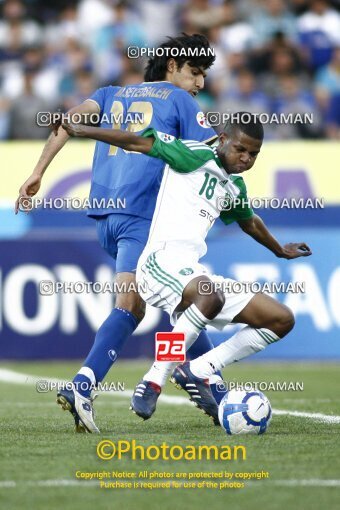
218, 387
108, 343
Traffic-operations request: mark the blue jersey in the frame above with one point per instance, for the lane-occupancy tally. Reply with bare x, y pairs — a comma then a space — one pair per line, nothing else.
128, 182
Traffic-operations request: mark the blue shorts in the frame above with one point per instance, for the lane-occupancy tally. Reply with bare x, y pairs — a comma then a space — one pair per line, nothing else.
124, 238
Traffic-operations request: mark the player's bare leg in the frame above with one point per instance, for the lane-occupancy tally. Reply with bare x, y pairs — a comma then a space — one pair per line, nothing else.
209, 304
263, 311
129, 300
267, 322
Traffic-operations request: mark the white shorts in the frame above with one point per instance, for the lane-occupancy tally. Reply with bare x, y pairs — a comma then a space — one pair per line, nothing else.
162, 276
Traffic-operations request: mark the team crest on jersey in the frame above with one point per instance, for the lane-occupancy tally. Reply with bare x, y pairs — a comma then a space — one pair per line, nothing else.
165, 137
186, 271
225, 203
202, 120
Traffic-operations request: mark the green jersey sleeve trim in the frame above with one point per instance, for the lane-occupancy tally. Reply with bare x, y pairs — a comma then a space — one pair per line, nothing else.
242, 209
182, 156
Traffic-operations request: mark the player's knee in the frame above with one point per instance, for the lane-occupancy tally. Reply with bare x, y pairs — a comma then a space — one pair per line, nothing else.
139, 311
202, 293
285, 321
133, 303
211, 305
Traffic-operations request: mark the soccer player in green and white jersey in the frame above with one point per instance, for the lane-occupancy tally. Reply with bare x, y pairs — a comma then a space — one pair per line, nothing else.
199, 185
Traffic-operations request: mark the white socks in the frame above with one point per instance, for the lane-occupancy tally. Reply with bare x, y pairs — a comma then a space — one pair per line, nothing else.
191, 323
245, 342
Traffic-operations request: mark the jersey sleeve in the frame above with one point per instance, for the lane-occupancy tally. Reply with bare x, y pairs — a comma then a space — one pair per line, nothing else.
99, 97
192, 121
182, 156
242, 209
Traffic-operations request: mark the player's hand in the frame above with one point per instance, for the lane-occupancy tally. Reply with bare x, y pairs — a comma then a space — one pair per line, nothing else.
26, 191
56, 123
76, 130
55, 126
295, 250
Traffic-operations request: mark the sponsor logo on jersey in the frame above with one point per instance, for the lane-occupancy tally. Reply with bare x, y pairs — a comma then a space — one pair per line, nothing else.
225, 203
206, 214
186, 271
202, 120
223, 183
165, 137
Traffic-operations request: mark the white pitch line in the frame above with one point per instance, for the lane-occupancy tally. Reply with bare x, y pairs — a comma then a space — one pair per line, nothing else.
47, 483
325, 418
307, 483
10, 376
7, 484
313, 482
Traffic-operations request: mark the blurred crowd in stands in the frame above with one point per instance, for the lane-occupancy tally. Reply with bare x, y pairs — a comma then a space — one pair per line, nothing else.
274, 56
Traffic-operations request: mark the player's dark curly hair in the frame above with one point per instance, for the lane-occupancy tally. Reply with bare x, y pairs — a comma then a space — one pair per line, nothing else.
248, 123
157, 66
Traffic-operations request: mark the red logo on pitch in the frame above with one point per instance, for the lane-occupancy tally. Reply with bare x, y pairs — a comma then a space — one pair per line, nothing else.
170, 347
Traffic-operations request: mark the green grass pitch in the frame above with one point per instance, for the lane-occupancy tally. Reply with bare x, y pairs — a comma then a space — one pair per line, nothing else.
301, 454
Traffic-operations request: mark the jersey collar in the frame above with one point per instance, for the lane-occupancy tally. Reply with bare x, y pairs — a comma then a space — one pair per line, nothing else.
160, 81
217, 159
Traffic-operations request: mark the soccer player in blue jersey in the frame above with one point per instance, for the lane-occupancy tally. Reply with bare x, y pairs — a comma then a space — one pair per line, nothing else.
166, 99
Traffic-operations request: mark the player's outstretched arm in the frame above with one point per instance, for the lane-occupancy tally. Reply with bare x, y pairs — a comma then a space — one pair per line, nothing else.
54, 143
122, 139
258, 231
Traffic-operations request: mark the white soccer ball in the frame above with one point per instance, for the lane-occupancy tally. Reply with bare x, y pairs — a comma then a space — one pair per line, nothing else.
244, 412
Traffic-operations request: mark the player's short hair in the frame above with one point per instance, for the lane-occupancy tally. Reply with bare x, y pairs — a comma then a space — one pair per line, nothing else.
157, 66
248, 123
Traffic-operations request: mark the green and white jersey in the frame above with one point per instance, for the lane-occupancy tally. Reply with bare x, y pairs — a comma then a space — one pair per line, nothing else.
195, 190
